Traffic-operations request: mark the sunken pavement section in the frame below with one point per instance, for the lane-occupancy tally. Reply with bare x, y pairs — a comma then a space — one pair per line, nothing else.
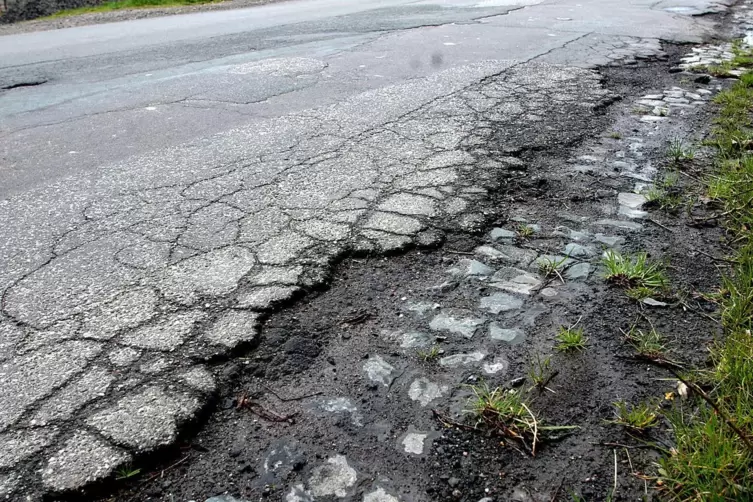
121, 292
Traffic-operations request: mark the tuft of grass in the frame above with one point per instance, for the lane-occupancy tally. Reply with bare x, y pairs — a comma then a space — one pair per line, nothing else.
126, 472
126, 4
570, 339
641, 111
634, 271
638, 418
429, 355
525, 231
615, 135
649, 344
505, 412
551, 267
677, 151
540, 372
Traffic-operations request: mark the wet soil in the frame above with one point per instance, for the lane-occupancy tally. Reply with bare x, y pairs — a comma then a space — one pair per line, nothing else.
301, 398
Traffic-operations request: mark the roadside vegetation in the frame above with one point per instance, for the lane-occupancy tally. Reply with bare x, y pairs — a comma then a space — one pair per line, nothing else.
713, 454
126, 4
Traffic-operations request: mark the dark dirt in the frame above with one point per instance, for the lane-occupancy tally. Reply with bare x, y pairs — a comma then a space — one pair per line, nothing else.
270, 411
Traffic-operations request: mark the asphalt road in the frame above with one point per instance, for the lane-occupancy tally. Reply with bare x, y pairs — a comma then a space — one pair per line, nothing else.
171, 177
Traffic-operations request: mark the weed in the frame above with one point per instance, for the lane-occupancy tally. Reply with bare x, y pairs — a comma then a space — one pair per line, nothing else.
551, 267
540, 372
677, 151
431, 354
634, 272
570, 339
640, 293
641, 111
649, 344
615, 135
525, 231
126, 472
505, 412
638, 418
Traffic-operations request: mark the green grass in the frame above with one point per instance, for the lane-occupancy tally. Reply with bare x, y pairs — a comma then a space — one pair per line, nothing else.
677, 151
634, 271
649, 344
126, 4
505, 411
570, 339
525, 231
664, 193
126, 472
712, 459
551, 267
540, 371
430, 354
637, 418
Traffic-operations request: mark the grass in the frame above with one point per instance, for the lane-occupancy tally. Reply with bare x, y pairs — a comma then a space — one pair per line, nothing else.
525, 231
570, 339
430, 354
615, 135
664, 193
540, 372
505, 412
712, 459
126, 4
638, 418
634, 271
551, 267
677, 151
649, 344
126, 472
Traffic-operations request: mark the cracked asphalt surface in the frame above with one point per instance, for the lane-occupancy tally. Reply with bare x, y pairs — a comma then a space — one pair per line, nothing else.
173, 179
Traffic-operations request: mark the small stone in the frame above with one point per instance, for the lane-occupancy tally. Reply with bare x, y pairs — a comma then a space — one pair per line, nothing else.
515, 280
578, 272
334, 478
453, 482
425, 391
500, 302
471, 268
461, 359
579, 251
653, 303
379, 495
379, 371
490, 253
415, 339
465, 327
627, 225
609, 240
513, 336
413, 442
496, 366
501, 234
